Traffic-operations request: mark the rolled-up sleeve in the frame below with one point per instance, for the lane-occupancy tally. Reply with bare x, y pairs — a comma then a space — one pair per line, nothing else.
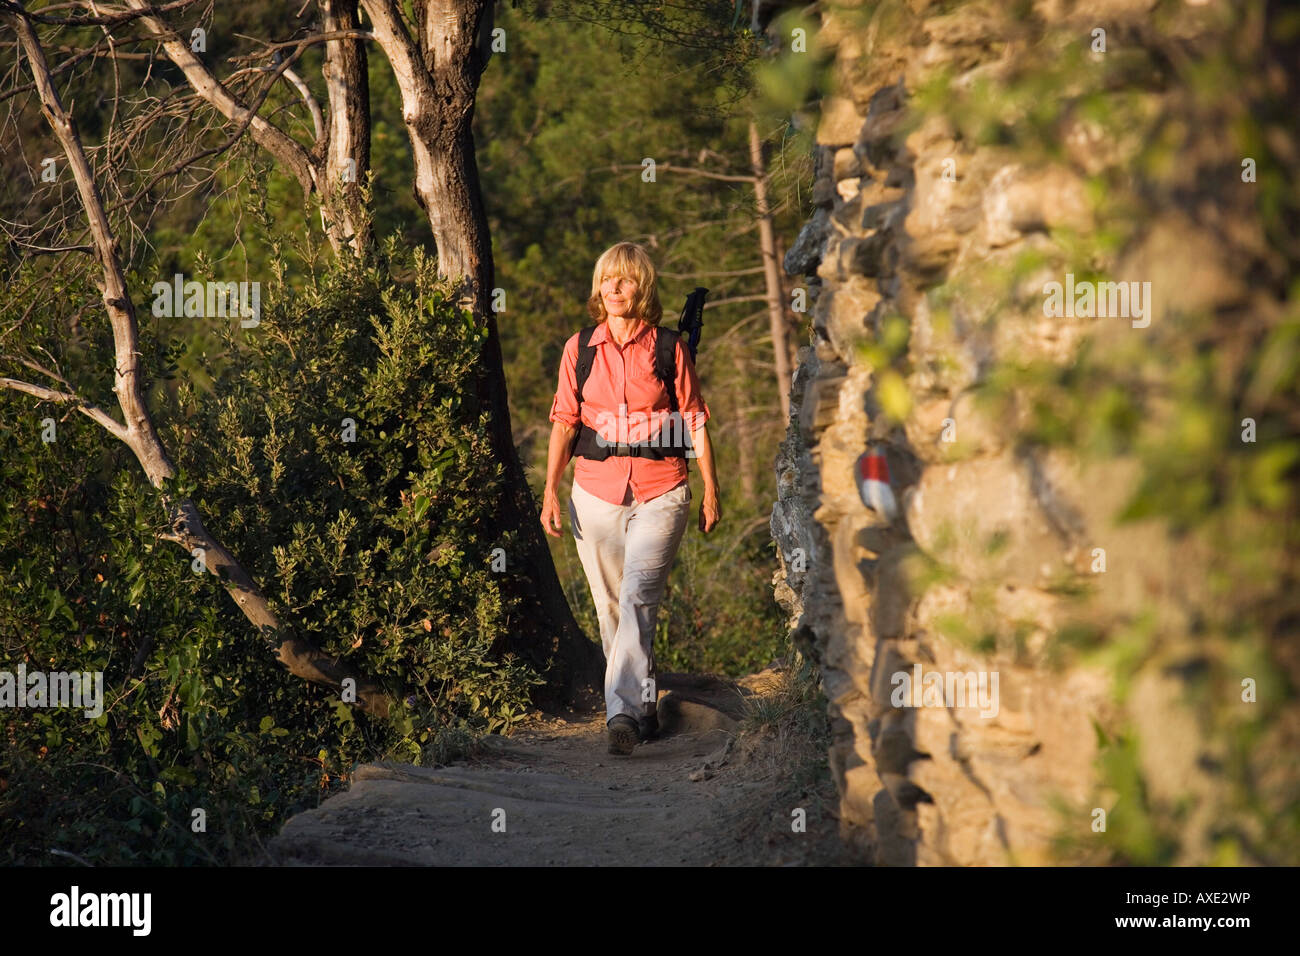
690, 402
564, 409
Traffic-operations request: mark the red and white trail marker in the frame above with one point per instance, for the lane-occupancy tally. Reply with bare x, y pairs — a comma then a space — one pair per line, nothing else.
873, 484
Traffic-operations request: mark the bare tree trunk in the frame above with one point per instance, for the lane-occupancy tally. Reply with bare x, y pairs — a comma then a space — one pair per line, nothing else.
347, 148
138, 433
437, 68
771, 273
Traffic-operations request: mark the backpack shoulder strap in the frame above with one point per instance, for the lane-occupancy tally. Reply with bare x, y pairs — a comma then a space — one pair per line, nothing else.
666, 362
586, 357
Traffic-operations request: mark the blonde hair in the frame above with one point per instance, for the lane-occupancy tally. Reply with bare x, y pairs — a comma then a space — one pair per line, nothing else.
630, 260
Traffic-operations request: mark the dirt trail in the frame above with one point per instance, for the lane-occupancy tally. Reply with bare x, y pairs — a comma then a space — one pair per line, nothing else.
704, 794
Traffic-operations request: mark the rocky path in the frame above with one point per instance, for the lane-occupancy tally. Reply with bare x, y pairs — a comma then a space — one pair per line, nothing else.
705, 794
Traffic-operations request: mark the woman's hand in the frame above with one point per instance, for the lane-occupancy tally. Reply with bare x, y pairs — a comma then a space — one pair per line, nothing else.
557, 458
551, 513
710, 510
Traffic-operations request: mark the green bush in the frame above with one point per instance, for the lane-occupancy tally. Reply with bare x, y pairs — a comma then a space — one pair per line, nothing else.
379, 550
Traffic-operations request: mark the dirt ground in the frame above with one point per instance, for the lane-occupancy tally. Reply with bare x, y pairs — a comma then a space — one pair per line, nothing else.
705, 794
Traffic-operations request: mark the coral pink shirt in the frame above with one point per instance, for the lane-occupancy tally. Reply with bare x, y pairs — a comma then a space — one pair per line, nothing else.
626, 377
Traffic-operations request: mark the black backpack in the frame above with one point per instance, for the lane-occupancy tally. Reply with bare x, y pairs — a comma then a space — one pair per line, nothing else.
587, 444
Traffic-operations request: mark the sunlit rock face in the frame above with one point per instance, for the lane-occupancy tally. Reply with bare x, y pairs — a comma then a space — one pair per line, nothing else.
972, 638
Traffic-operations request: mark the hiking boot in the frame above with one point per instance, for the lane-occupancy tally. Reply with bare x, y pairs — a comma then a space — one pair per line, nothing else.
649, 727
623, 734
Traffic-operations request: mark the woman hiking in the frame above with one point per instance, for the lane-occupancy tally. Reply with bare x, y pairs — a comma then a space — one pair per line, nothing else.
631, 492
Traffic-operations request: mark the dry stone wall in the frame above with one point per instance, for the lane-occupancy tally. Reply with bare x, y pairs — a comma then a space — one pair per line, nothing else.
972, 154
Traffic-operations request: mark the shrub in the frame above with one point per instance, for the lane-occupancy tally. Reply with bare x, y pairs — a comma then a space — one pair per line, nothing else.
377, 549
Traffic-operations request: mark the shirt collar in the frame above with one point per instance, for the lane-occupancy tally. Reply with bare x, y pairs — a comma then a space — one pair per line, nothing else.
642, 338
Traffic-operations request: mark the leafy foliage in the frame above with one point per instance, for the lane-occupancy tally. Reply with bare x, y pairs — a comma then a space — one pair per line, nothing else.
375, 549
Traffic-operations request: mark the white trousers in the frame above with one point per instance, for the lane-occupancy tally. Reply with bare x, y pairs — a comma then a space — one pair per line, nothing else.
626, 551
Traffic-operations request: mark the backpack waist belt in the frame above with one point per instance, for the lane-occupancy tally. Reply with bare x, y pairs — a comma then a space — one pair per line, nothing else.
587, 445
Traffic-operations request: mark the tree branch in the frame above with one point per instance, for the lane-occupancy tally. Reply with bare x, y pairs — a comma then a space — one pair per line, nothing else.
94, 412
276, 142
317, 117
738, 298
17, 9
669, 167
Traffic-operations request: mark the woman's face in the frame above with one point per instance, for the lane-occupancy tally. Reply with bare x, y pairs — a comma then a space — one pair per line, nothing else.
618, 293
